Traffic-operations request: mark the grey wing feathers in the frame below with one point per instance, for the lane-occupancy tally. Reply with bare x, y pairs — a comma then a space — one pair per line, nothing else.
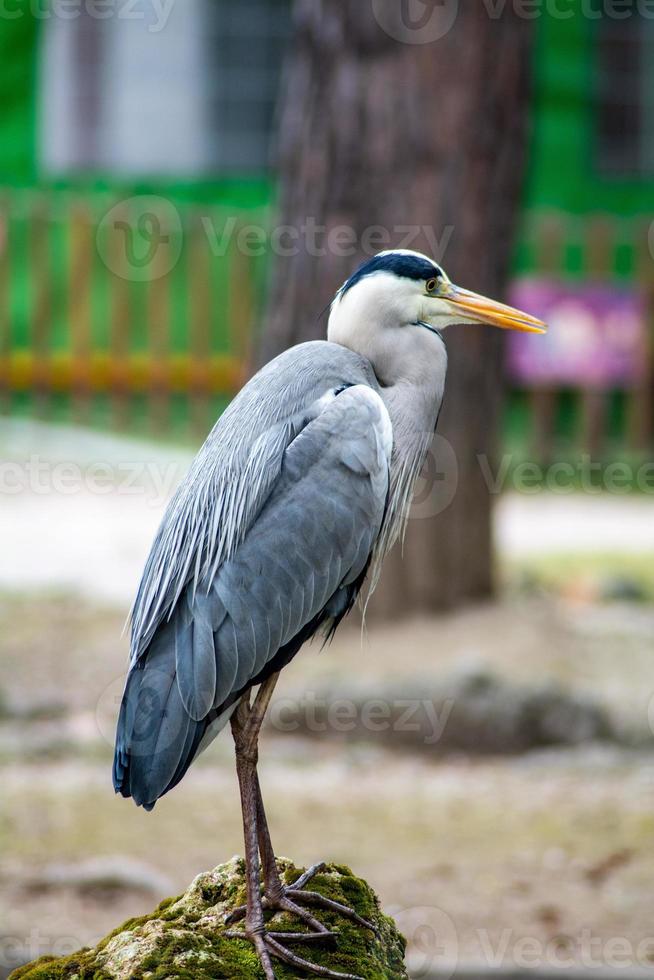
311, 540
234, 473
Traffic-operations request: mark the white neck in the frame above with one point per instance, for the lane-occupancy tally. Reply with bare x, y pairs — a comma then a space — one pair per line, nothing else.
380, 322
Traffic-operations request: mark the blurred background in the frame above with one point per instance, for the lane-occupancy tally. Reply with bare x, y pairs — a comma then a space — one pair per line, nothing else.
183, 185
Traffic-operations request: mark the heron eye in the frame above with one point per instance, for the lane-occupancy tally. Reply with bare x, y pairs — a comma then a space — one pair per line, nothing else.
432, 285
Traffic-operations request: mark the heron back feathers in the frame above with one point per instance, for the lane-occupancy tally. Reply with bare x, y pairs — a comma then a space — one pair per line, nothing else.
295, 561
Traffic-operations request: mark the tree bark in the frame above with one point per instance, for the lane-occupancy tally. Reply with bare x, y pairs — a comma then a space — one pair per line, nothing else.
418, 145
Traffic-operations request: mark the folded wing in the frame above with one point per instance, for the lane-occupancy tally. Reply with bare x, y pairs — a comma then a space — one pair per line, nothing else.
299, 566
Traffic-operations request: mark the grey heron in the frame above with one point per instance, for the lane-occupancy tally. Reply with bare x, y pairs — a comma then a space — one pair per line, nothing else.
294, 499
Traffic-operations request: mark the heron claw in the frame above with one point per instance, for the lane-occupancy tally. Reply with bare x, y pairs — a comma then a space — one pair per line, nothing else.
299, 892
315, 898
292, 894
286, 956
274, 943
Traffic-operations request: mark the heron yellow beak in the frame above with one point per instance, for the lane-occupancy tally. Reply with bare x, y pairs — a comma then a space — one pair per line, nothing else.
489, 311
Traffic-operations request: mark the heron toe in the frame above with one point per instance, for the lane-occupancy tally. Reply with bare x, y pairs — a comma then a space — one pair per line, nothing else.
275, 944
287, 898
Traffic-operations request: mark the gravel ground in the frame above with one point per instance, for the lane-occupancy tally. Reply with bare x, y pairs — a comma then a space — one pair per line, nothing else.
93, 502
548, 854
540, 859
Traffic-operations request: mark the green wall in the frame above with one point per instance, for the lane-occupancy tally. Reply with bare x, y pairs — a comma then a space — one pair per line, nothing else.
18, 55
563, 172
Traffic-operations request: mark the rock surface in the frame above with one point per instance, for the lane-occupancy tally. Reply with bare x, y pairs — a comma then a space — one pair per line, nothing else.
185, 937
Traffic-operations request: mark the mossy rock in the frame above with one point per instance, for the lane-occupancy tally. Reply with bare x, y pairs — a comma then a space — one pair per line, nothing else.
185, 937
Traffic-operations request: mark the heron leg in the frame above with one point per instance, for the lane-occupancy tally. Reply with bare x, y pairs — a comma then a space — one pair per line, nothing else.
286, 897
246, 724
246, 761
275, 892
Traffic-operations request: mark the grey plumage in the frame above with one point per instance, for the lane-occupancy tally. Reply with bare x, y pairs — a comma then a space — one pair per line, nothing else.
297, 494
266, 540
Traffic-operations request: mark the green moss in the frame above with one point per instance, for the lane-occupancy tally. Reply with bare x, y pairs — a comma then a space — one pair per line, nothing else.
80, 965
184, 937
162, 906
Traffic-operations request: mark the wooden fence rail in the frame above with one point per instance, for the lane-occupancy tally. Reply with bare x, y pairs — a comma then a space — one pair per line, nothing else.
594, 249
121, 312
123, 307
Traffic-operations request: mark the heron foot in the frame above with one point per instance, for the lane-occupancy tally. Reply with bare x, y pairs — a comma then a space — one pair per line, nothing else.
297, 892
286, 899
275, 944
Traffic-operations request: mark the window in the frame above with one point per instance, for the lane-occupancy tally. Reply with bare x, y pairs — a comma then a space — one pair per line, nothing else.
246, 43
193, 96
625, 96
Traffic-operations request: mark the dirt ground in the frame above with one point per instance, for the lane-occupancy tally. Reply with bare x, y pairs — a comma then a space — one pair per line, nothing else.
536, 858
542, 858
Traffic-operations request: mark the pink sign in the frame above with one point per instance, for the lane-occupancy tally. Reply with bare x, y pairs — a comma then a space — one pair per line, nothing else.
597, 335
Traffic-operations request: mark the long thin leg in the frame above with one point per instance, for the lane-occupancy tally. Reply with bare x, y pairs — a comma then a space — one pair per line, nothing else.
281, 896
246, 724
274, 891
254, 920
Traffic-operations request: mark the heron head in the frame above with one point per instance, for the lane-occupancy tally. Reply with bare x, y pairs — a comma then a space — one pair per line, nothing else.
404, 288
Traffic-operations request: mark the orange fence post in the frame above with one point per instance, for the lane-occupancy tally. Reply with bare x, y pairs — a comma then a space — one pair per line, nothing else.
119, 324
5, 340
640, 405
158, 332
599, 251
41, 301
543, 401
200, 314
88, 364
79, 307
241, 307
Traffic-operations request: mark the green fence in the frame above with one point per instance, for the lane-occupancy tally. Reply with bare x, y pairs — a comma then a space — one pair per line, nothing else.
594, 247
135, 313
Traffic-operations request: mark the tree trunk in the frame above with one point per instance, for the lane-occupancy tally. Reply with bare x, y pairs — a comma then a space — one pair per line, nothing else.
385, 142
